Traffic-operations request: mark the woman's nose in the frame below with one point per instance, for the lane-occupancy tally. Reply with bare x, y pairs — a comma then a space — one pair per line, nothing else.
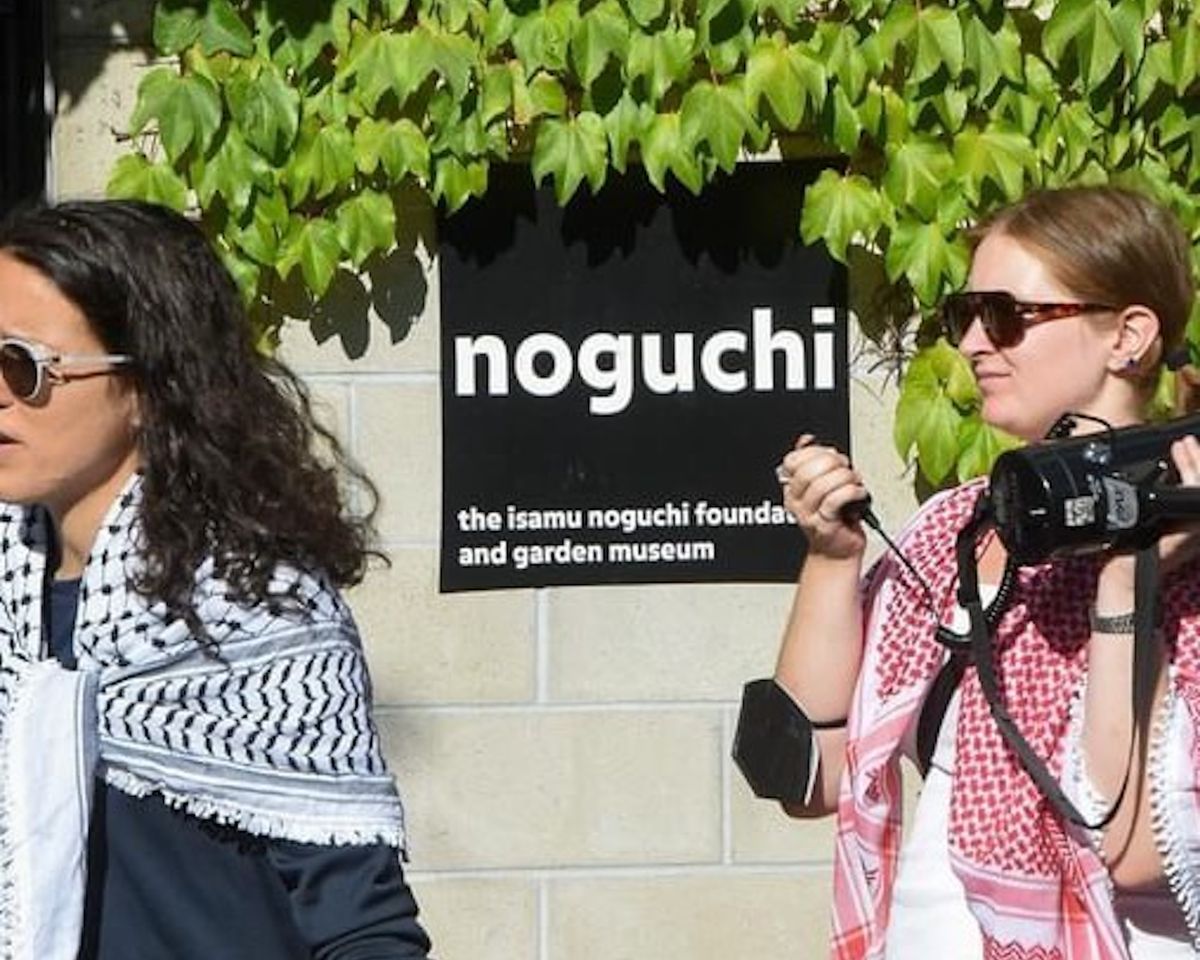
974, 339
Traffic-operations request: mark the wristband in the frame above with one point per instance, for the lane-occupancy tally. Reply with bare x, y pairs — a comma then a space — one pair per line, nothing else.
1120, 623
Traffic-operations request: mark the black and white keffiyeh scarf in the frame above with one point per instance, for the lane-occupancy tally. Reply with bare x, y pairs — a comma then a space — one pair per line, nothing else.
274, 736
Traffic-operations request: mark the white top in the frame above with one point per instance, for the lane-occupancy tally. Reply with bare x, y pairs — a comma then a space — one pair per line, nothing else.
930, 916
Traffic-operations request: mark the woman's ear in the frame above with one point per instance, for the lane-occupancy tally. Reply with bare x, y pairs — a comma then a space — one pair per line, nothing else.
1137, 344
135, 411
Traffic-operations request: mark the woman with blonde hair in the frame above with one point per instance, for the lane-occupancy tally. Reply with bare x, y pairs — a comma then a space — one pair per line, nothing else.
1074, 299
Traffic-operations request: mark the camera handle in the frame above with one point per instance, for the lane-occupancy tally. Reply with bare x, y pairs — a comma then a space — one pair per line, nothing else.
1173, 502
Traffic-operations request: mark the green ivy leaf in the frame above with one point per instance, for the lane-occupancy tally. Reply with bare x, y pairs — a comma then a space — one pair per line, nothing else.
979, 445
997, 155
454, 56
1086, 27
175, 27
1185, 55
645, 12
923, 254
267, 110
843, 58
624, 124
1021, 111
455, 182
330, 105
188, 110
466, 137
261, 228
601, 33
324, 162
939, 43
842, 121
663, 58
840, 209
497, 92
393, 10
954, 373
312, 245
245, 273
136, 178
383, 62
223, 29
399, 146
232, 171
547, 96
718, 116
992, 55
1120, 147
789, 77
452, 15
499, 24
787, 12
1070, 137
895, 117
926, 416
665, 149
443, 112
366, 224
895, 33
542, 96
1128, 26
871, 111
725, 58
718, 20
306, 29
1174, 126
951, 108
571, 151
917, 168
542, 40
1156, 69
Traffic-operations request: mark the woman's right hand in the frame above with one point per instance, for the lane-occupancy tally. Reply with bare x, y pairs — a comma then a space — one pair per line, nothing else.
817, 482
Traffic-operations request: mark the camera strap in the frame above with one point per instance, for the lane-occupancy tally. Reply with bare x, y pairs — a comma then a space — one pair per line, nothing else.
1147, 644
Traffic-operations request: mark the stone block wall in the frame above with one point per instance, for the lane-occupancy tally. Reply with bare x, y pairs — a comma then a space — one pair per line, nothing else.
563, 753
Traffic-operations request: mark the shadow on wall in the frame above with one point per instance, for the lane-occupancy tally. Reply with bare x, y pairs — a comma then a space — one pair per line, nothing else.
130, 22
391, 288
608, 225
85, 32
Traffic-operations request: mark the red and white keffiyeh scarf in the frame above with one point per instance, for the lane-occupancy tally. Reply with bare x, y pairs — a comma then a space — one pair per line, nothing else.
1037, 887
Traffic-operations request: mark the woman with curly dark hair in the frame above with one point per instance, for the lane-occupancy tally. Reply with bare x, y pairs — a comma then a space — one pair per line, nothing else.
188, 762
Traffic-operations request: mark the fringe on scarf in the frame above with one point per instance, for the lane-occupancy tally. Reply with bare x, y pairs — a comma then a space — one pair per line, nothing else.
257, 823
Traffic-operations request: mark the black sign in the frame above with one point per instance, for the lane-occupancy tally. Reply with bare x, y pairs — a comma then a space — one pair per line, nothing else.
620, 377
24, 119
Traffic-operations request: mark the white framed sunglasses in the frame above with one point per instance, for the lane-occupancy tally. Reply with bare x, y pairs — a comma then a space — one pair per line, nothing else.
25, 366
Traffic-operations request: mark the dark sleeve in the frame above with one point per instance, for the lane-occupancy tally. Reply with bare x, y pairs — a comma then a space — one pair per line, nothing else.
350, 903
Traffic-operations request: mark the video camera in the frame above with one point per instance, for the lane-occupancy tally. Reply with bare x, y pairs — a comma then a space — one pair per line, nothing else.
1115, 488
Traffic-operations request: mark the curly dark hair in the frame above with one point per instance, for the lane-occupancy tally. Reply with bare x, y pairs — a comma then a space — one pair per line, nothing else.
228, 438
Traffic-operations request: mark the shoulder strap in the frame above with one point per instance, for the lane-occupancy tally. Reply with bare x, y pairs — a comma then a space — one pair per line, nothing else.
1147, 643
937, 701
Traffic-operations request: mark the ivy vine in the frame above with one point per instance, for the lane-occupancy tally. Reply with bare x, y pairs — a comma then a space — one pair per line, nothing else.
295, 125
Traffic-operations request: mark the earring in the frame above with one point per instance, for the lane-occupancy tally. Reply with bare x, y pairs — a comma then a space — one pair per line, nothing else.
1131, 363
